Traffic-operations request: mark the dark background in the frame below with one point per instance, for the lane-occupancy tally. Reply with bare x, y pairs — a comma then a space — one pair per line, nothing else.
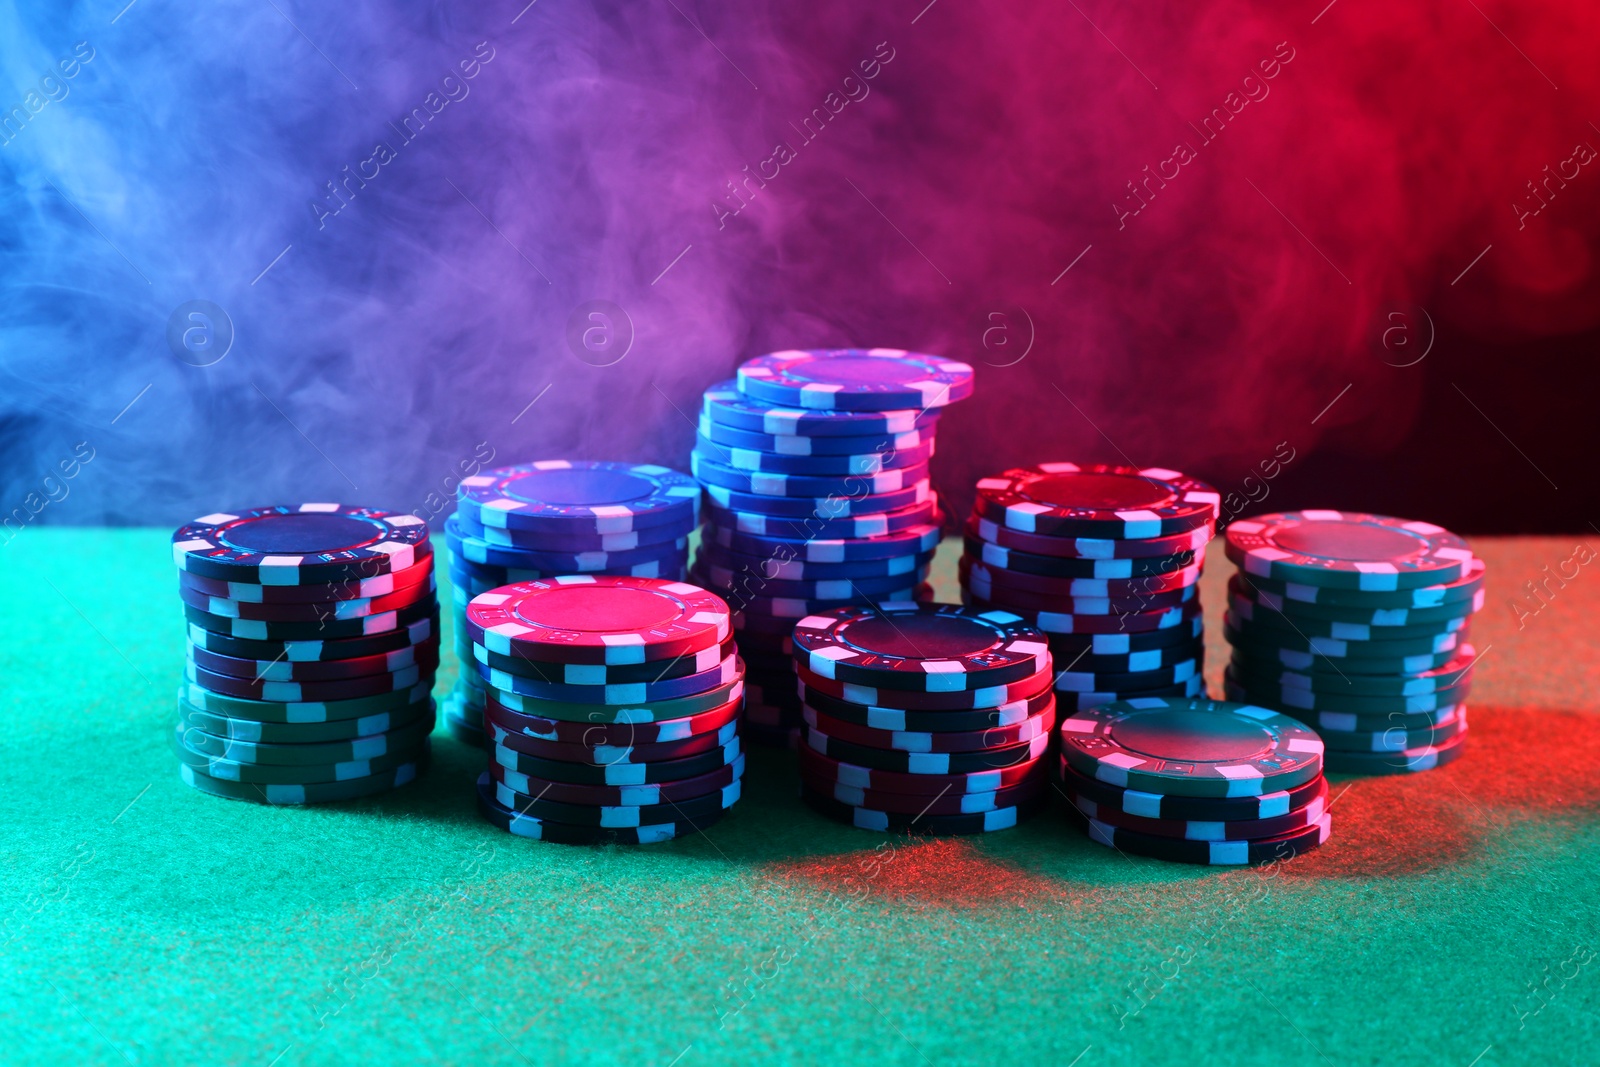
1370, 185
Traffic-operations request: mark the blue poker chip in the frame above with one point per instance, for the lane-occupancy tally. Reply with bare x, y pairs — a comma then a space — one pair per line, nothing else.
811, 527
812, 447
300, 544
711, 472
787, 568
467, 522
567, 497
755, 583
914, 540
819, 508
724, 404
475, 550
835, 465
855, 379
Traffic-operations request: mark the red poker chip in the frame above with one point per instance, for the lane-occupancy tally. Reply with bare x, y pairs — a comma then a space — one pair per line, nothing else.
633, 796
1089, 548
511, 746
822, 768
934, 740
920, 647
1081, 588
922, 804
598, 619
1097, 500
510, 724
912, 700
315, 611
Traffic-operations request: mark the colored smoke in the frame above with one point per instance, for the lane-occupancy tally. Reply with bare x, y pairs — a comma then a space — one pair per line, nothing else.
924, 178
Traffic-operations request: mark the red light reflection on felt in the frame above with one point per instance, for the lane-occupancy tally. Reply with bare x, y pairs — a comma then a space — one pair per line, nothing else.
943, 872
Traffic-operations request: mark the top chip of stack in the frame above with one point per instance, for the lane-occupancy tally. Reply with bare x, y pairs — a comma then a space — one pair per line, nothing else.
815, 465
925, 718
1195, 781
313, 642
613, 708
1358, 625
539, 520
1106, 560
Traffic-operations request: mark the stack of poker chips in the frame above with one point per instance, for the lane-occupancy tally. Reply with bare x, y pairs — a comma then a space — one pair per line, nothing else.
313, 641
1195, 781
930, 719
1104, 559
815, 466
1357, 625
538, 520
612, 708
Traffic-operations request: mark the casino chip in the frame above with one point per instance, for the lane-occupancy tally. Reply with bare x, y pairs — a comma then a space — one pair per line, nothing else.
855, 379
1194, 781
1097, 500
313, 643
564, 497
927, 648
1358, 625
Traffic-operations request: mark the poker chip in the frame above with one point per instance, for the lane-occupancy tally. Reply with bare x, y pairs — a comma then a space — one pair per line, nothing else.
319, 592
778, 447
293, 733
1410, 761
617, 774
946, 740
277, 670
923, 648
354, 751
313, 644
1088, 548
1334, 648
512, 748
299, 544
914, 541
632, 796
521, 824
314, 650
815, 590
1269, 620
902, 719
1468, 587
1169, 641
603, 673
1070, 701
320, 630
915, 804
1156, 678
784, 567
605, 815
838, 506
598, 619
710, 471
1347, 550
1207, 829
855, 379
1214, 853
1097, 500
309, 611
1450, 674
510, 724
1168, 807
584, 711
873, 460
1082, 659
1067, 567
918, 514
1019, 592
829, 772
1311, 700
1117, 623
1188, 747
491, 548
940, 825
1127, 593
752, 605
726, 672
289, 773
1395, 739
1351, 722
988, 696
314, 793
1243, 590
564, 496
923, 762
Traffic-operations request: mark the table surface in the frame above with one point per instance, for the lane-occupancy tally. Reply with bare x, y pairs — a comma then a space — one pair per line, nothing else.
1452, 917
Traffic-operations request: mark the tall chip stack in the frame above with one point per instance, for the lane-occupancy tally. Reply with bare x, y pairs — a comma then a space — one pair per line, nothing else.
1357, 625
815, 466
1106, 560
1195, 781
313, 641
929, 719
612, 707
538, 520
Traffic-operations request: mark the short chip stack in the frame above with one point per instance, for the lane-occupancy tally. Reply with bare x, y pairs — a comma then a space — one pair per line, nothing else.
538, 520
1195, 781
815, 464
1105, 560
612, 707
1357, 625
929, 719
313, 642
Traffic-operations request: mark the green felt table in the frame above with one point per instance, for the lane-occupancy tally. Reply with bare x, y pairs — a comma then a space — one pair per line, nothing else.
1452, 918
